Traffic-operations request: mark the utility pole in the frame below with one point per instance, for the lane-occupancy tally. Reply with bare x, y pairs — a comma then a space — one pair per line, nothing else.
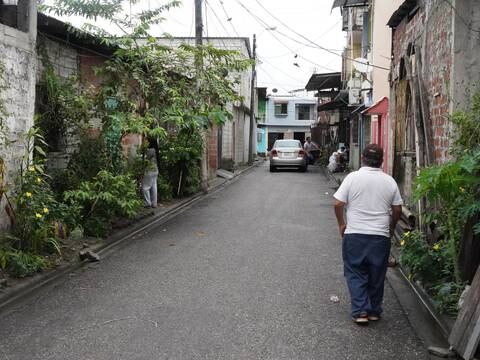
252, 102
199, 65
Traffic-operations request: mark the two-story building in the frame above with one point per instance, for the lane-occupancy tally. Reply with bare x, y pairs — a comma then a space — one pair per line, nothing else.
288, 117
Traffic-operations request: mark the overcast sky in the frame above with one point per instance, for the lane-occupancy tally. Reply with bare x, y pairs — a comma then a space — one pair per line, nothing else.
278, 47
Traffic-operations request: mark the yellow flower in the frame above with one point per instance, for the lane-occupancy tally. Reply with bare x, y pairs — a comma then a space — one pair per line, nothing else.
402, 242
462, 189
28, 194
45, 210
436, 247
406, 233
38, 216
39, 180
410, 276
31, 168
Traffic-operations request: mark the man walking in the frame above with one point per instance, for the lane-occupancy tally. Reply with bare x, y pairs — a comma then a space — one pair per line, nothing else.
368, 195
310, 146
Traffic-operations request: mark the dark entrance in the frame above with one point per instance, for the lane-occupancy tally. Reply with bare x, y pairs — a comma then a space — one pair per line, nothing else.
272, 137
299, 136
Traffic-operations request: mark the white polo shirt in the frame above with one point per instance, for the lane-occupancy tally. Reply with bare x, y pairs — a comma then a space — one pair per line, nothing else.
369, 194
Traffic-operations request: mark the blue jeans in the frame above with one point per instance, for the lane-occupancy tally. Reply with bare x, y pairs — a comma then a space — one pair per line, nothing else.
365, 261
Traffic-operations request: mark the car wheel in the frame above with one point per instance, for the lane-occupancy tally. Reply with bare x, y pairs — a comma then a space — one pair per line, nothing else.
303, 169
272, 169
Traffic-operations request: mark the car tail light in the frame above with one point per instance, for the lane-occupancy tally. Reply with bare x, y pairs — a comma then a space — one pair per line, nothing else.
274, 153
301, 152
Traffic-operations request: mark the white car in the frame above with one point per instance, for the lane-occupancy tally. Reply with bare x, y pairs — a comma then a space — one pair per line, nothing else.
288, 154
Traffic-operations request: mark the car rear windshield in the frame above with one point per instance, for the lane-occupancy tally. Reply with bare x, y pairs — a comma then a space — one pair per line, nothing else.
287, 143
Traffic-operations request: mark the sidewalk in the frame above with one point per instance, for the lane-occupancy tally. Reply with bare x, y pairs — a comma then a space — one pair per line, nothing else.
141, 224
337, 177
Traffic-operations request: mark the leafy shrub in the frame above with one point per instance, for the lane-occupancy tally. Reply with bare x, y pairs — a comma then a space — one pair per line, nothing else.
433, 266
21, 264
90, 158
446, 295
63, 107
36, 208
104, 198
164, 189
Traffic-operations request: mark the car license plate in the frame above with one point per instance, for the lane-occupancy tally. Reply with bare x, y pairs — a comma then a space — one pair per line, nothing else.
288, 155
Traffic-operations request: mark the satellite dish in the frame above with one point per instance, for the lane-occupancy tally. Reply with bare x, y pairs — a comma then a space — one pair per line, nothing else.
362, 65
274, 90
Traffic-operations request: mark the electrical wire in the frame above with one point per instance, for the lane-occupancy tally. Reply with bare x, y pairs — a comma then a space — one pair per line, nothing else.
217, 17
264, 24
280, 70
229, 18
312, 42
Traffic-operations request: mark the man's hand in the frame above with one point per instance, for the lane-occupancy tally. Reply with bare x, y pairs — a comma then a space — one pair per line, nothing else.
341, 229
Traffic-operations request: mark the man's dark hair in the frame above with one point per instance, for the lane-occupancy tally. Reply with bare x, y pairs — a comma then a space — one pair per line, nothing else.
372, 155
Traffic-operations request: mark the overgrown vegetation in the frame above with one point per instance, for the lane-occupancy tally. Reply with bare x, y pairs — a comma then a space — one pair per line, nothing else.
452, 192
168, 97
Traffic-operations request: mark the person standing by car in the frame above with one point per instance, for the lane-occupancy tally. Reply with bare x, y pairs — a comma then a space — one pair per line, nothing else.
368, 195
310, 146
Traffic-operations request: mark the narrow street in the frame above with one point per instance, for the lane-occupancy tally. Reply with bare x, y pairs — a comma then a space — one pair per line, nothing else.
246, 273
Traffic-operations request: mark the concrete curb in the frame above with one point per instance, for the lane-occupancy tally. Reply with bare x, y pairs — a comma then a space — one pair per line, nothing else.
117, 239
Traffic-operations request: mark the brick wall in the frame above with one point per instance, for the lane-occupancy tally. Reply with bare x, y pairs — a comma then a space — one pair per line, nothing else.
431, 30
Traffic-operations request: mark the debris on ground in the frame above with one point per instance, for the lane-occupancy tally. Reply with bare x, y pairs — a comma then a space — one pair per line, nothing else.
88, 255
334, 299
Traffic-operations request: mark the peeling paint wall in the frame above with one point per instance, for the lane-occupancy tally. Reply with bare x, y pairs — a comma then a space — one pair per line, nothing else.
19, 57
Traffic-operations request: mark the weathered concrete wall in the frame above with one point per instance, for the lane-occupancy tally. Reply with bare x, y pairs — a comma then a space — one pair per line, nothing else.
63, 58
19, 57
466, 56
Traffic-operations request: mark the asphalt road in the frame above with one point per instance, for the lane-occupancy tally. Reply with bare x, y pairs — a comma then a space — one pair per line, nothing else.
246, 273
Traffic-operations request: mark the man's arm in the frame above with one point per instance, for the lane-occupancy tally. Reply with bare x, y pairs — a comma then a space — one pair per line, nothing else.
339, 206
396, 213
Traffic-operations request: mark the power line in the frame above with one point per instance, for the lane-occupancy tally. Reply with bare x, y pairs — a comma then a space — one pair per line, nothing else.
218, 18
229, 18
283, 72
314, 43
264, 24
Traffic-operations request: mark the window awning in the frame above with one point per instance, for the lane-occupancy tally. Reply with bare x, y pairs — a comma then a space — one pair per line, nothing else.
324, 81
349, 3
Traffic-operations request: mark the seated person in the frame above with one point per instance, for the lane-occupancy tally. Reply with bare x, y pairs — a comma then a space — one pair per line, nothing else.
333, 162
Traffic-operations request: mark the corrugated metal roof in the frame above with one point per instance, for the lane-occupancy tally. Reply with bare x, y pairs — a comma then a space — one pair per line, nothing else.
324, 81
349, 3
401, 12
